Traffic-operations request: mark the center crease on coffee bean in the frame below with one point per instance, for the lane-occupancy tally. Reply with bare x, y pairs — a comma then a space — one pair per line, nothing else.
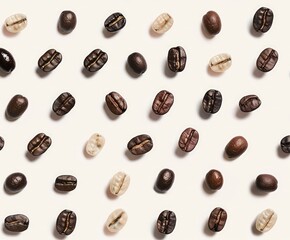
116, 219
97, 59
223, 61
267, 222
140, 145
268, 59
163, 101
67, 222
49, 62
264, 19
114, 22
39, 145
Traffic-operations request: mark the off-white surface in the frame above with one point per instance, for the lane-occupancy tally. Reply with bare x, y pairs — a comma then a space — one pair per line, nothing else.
191, 202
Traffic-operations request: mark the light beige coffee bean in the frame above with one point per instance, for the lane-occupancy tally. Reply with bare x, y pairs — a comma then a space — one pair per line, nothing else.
162, 23
116, 220
220, 62
119, 183
266, 220
15, 23
95, 144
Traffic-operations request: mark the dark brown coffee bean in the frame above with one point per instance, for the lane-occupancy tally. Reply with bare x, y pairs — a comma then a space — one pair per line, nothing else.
266, 182
263, 19
162, 102
16, 107
65, 183
39, 144
212, 22
140, 144
15, 182
217, 219
16, 223
285, 144
236, 147
166, 222
95, 60
67, 22
164, 180
188, 139
249, 103
176, 59
63, 104
214, 179
66, 222
7, 62
137, 63
116, 103
212, 101
2, 143
267, 60
115, 22
49, 60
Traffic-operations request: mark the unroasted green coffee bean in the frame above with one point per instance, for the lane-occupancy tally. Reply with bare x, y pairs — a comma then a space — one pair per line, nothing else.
266, 220
116, 220
119, 183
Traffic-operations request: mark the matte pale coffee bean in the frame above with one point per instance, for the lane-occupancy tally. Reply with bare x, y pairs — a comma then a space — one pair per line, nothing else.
95, 144
140, 144
236, 147
267, 60
266, 220
285, 144
188, 139
220, 62
15, 23
249, 103
217, 219
119, 183
16, 223
116, 220
212, 22
66, 222
162, 23
266, 182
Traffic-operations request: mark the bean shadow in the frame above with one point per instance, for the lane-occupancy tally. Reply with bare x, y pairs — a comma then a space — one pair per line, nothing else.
167, 72
107, 232
87, 73
280, 153
179, 153
257, 73
53, 116
156, 233
130, 71
58, 191
7, 232
153, 116
154, 34
240, 114
212, 73
207, 231
131, 156
227, 158
206, 189
205, 33
203, 114
255, 191
30, 157
109, 114
8, 118
253, 32
108, 34
7, 191
8, 34
254, 229
4, 74
56, 234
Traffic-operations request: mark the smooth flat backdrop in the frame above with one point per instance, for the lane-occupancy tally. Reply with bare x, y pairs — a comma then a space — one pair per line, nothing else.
188, 198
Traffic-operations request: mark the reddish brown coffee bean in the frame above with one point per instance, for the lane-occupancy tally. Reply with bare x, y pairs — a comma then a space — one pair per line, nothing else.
236, 147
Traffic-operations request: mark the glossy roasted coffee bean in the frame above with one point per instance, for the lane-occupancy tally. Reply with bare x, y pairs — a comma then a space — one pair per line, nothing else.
176, 59
119, 183
212, 101
137, 63
249, 103
95, 144
140, 144
266, 182
66, 222
267, 60
15, 23
39, 144
116, 103
95, 60
214, 179
188, 139
266, 220
16, 107
65, 183
162, 23
163, 102
15, 182
236, 147
49, 60
285, 144
63, 104
166, 222
16, 223
116, 220
217, 219
115, 22
263, 19
2, 143
212, 22
220, 62
67, 22
7, 62
164, 180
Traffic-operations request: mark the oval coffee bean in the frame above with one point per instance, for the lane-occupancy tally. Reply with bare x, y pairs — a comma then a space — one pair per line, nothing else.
236, 147
176, 59
95, 144
15, 182
67, 21
188, 139
140, 144
16, 107
15, 23
63, 104
39, 144
266, 220
7, 62
263, 19
119, 183
217, 219
166, 222
16, 223
66, 222
116, 220
249, 103
95, 60
65, 183
162, 23
212, 22
137, 63
285, 144
267, 60
162, 102
266, 182
116, 103
214, 179
2, 143
49, 60
115, 22
212, 101
164, 180
220, 62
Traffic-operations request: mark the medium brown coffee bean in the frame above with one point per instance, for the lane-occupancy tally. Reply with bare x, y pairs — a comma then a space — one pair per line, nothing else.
176, 59
95, 60
65, 183
49, 60
16, 223
15, 182
266, 182
137, 63
214, 179
66, 222
188, 139
217, 219
116, 103
212, 22
16, 107
140, 144
236, 147
39, 144
164, 180
166, 222
249, 103
67, 22
63, 104
263, 19
162, 102
267, 60
212, 101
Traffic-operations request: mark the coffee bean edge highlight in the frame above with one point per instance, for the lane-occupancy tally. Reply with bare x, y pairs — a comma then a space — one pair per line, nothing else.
66, 222
140, 144
16, 223
39, 144
236, 147
67, 21
16, 107
15, 182
137, 63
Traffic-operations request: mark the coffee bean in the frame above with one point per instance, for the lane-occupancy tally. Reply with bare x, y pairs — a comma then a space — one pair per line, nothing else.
267, 60
16, 107
249, 103
95, 60
15, 23
285, 144
49, 60
212, 101
16, 223
162, 23
263, 19
212, 22
66, 222
65, 183
119, 183
140, 144
2, 142
137, 63
7, 62
214, 179
116, 103
95, 144
164, 180
116, 220
15, 182
39, 144
236, 147
115, 22
266, 182
163, 102
188, 139
166, 222
176, 59
220, 62
67, 22
266, 220
217, 219
63, 104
